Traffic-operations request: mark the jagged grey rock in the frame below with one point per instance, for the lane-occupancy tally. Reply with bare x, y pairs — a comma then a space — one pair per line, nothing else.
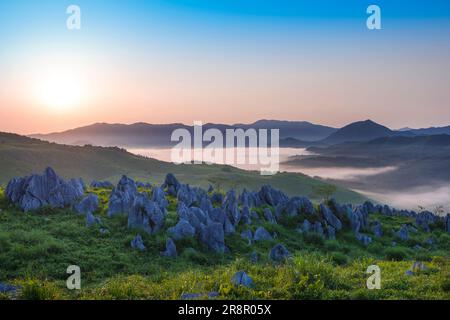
122, 197
271, 196
261, 234
269, 216
241, 278
330, 218
297, 205
37, 191
364, 239
279, 253
254, 257
7, 288
138, 243
171, 249
230, 207
403, 234
88, 205
370, 208
159, 197
317, 228
417, 267
247, 234
216, 197
101, 184
377, 229
306, 226
145, 214
424, 219
172, 184
206, 205
359, 219
331, 232
245, 215
213, 236
91, 220
181, 230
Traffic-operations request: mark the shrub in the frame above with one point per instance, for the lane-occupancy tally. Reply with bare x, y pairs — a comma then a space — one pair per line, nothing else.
395, 254
423, 256
313, 239
339, 258
39, 290
333, 245
193, 255
446, 285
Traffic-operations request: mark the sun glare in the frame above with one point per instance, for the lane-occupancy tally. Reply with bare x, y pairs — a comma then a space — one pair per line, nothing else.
60, 90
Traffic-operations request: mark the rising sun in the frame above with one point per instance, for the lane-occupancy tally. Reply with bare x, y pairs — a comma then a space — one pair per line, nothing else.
60, 90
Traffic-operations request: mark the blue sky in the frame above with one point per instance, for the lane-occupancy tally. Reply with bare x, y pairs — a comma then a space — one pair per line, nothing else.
299, 60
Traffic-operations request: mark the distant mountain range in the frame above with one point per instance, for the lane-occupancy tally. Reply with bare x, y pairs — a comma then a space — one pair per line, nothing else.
158, 135
361, 131
295, 134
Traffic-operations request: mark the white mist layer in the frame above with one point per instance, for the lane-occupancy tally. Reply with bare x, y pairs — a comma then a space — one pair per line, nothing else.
429, 198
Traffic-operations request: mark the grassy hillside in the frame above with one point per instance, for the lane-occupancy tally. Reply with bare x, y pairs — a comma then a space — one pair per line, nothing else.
21, 156
36, 248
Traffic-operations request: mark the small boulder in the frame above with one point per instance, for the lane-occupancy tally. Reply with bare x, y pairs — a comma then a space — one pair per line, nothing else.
417, 267
269, 216
171, 249
279, 253
377, 229
145, 214
317, 228
402, 234
241, 278
101, 184
254, 257
261, 234
331, 232
138, 243
213, 236
122, 197
88, 205
364, 239
91, 220
181, 230
247, 235
7, 288
190, 296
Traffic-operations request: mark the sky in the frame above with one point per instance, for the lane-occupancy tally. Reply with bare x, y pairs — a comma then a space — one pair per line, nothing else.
223, 61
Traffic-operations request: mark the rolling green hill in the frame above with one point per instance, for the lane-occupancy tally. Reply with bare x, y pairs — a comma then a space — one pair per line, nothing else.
21, 156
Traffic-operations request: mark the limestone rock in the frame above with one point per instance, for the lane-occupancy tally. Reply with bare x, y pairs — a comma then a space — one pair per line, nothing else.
241, 278
37, 191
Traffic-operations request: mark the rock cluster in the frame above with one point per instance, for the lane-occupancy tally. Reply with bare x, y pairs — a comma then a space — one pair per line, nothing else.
209, 216
38, 191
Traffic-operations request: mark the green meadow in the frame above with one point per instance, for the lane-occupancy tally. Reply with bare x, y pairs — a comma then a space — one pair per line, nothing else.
37, 247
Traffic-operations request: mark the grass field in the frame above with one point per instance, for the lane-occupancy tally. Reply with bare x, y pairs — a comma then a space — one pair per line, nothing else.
36, 249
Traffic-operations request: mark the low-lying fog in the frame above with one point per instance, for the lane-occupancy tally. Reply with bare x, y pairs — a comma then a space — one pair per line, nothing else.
426, 197
429, 198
